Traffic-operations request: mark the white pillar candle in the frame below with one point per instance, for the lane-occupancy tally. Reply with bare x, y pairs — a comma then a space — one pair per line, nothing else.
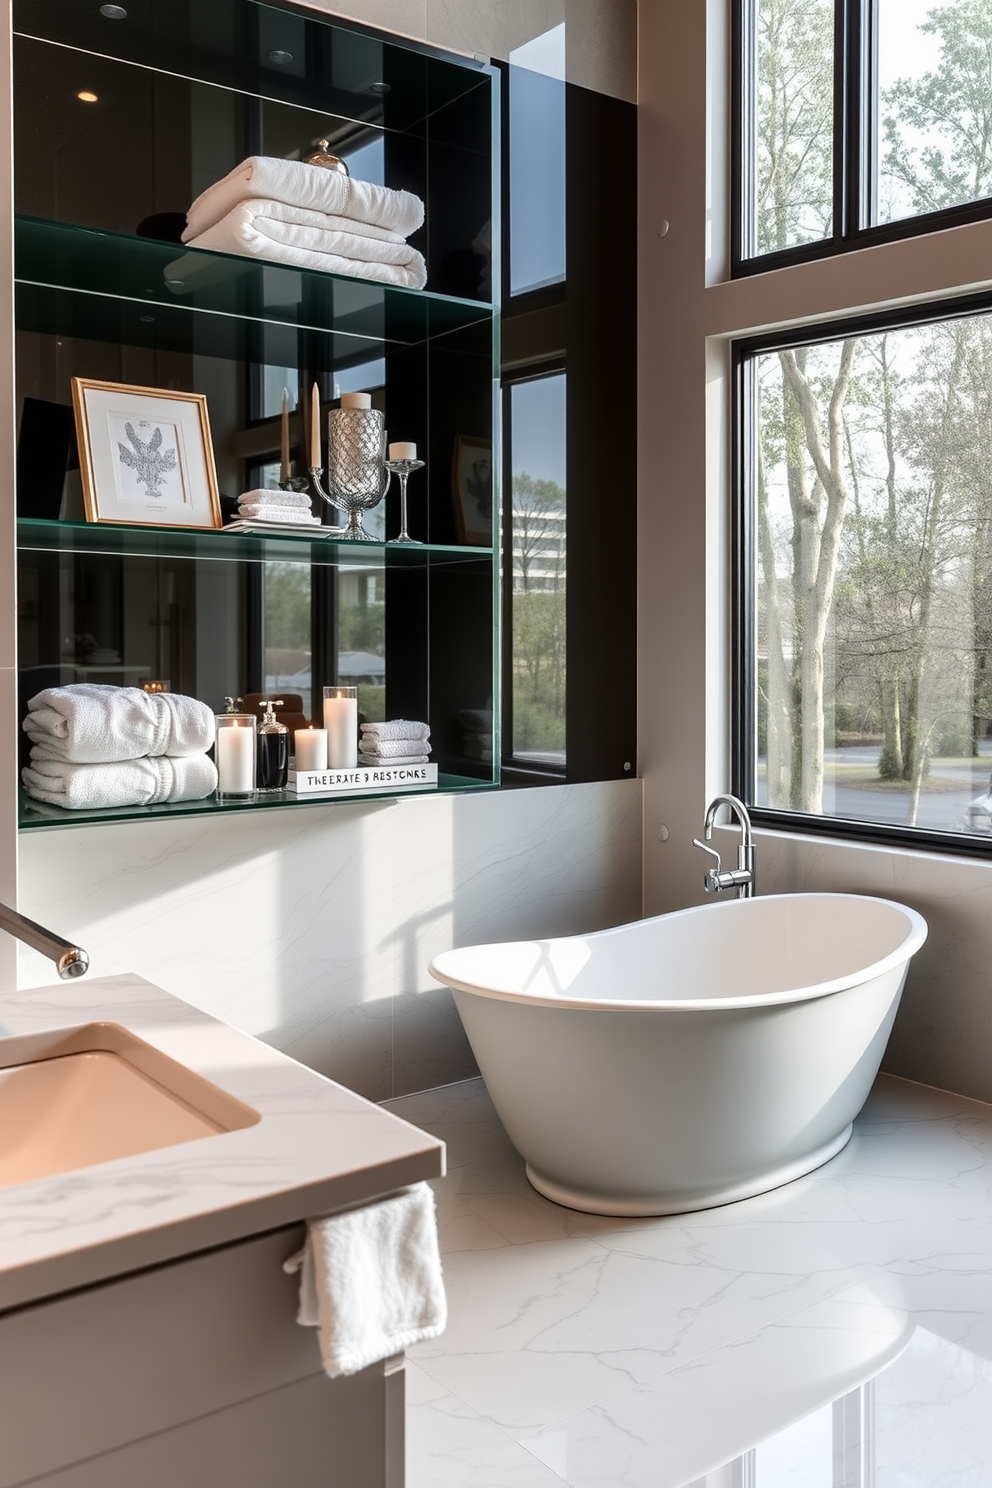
356, 400
315, 460
402, 451
341, 723
236, 759
311, 749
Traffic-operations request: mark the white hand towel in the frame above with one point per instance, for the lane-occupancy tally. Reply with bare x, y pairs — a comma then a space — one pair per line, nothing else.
370, 1279
293, 515
136, 782
374, 760
309, 186
396, 728
298, 499
88, 723
291, 235
389, 749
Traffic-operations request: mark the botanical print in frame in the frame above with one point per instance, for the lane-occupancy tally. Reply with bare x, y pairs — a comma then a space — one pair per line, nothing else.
472, 482
145, 455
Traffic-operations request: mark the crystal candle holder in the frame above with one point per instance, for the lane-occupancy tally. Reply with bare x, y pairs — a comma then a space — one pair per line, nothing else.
235, 756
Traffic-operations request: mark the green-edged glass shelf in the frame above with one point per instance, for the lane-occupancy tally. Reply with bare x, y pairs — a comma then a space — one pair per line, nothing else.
104, 286
111, 538
39, 814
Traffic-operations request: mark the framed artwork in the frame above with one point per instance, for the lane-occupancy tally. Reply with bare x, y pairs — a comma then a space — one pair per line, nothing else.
145, 455
472, 490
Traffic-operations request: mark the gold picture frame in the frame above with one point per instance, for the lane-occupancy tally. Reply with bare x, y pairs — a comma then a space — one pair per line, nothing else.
472, 490
145, 455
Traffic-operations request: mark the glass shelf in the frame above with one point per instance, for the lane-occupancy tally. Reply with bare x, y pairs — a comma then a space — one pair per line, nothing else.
37, 536
159, 292
38, 814
268, 50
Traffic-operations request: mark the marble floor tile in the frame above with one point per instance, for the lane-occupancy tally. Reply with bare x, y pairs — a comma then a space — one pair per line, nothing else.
648, 1353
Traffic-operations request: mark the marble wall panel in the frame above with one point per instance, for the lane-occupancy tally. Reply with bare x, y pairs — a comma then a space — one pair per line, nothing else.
312, 928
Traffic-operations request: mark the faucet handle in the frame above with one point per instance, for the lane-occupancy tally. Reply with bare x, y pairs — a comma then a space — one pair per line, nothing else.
711, 883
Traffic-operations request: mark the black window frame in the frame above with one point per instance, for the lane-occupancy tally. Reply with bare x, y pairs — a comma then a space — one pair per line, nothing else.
743, 640
854, 147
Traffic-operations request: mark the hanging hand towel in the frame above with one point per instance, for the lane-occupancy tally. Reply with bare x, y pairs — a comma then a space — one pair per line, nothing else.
396, 728
370, 1279
91, 724
291, 235
136, 782
309, 186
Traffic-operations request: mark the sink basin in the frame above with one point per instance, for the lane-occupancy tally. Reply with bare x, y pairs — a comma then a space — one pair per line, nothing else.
87, 1095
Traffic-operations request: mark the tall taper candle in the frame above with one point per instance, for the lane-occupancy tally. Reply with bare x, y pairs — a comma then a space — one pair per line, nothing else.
315, 462
284, 438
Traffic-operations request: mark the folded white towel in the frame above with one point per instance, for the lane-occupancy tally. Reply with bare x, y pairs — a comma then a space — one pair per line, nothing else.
89, 723
135, 782
292, 235
388, 749
396, 728
375, 760
292, 515
298, 499
370, 1279
309, 186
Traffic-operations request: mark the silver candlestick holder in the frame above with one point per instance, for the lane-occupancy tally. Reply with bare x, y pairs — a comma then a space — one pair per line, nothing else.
404, 469
357, 478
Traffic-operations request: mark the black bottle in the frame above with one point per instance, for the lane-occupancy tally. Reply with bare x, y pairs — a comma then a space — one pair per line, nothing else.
272, 764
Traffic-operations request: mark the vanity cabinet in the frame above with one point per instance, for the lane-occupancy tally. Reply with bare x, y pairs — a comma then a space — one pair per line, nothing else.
179, 94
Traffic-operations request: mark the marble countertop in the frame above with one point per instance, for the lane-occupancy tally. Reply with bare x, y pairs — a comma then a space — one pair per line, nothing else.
317, 1147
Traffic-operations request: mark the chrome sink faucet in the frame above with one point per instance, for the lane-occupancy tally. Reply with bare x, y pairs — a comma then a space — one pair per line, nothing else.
740, 878
70, 960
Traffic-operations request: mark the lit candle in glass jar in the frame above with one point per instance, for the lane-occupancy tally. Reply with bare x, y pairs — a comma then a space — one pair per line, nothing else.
235, 754
311, 749
341, 723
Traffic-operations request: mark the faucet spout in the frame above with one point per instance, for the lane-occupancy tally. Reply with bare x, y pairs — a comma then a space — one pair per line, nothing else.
70, 960
742, 878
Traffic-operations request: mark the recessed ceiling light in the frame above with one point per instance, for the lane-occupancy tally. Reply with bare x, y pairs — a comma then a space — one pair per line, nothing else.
380, 88
85, 96
113, 12
280, 58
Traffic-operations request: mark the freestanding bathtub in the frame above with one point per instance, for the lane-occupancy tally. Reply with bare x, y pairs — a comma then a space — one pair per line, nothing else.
688, 1060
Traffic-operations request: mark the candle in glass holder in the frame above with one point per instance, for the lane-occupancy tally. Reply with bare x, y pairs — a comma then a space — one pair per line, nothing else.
402, 451
235, 755
160, 684
341, 723
311, 749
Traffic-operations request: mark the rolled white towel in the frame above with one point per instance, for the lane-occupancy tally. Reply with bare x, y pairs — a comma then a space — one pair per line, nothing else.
388, 749
370, 1279
396, 728
291, 235
89, 723
376, 760
308, 186
299, 499
135, 782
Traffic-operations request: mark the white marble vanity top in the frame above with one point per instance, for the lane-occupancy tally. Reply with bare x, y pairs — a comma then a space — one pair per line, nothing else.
317, 1147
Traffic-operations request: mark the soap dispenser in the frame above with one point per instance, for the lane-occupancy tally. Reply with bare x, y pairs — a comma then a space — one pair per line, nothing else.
273, 750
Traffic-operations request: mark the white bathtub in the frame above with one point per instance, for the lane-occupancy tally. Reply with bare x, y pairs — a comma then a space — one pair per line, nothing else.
691, 1059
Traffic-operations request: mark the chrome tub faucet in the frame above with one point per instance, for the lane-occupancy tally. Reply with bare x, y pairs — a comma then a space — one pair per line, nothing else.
742, 877
70, 960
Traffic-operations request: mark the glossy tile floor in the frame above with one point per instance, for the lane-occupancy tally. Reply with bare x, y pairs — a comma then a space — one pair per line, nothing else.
836, 1333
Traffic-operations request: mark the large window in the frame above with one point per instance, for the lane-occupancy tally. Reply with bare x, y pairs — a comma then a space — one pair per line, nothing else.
858, 120
867, 625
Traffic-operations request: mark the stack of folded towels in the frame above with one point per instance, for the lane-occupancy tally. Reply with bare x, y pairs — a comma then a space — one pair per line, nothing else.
95, 746
399, 742
310, 217
477, 732
288, 508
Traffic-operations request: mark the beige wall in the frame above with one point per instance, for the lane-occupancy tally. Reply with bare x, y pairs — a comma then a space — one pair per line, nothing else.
689, 313
600, 35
